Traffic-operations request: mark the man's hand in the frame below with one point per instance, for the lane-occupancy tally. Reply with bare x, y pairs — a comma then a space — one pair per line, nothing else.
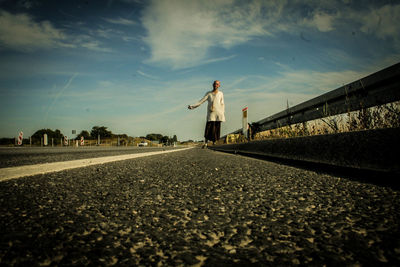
190, 107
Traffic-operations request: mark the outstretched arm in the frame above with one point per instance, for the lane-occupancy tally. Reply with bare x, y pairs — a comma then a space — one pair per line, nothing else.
199, 103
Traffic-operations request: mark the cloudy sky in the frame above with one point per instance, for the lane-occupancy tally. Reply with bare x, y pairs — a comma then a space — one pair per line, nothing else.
134, 65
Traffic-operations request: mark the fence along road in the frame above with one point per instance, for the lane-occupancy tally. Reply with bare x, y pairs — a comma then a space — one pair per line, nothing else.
197, 207
370, 150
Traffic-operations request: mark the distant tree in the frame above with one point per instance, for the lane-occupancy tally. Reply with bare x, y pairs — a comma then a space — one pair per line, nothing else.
120, 136
85, 134
102, 131
175, 139
56, 135
165, 140
9, 141
154, 137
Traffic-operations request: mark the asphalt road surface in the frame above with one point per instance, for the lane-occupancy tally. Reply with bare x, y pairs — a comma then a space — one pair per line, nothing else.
17, 156
197, 207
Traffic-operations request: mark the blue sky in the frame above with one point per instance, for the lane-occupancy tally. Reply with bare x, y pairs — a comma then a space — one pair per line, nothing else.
134, 66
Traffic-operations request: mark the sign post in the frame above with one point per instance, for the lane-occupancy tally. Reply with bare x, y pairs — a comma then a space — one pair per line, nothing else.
65, 140
82, 141
245, 125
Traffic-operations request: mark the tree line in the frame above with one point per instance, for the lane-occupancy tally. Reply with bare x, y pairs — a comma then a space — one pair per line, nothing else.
96, 131
162, 139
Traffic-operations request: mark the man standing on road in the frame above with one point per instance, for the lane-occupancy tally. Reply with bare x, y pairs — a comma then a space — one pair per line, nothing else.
215, 113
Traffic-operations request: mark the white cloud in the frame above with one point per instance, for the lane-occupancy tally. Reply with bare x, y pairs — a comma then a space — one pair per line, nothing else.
104, 33
27, 4
379, 20
95, 46
322, 21
180, 33
311, 83
213, 60
121, 21
130, 38
146, 75
382, 22
21, 32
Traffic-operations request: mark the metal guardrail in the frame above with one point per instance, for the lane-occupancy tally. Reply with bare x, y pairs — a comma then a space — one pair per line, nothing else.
376, 89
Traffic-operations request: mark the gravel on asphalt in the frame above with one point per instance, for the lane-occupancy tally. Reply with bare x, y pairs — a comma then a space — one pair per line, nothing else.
197, 207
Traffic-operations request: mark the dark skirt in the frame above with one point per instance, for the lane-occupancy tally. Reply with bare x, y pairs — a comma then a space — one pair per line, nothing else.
213, 130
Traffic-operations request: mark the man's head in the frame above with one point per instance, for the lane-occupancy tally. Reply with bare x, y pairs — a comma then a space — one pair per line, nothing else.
216, 84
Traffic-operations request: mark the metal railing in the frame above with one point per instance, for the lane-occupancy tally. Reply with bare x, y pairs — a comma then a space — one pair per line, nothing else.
376, 89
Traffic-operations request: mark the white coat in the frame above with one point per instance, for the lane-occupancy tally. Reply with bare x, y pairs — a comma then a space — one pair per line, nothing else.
216, 106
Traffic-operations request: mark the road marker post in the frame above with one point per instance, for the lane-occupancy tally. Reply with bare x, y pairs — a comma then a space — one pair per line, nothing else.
45, 140
245, 125
20, 138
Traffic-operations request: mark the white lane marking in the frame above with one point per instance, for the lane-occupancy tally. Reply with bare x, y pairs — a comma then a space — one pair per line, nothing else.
29, 170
